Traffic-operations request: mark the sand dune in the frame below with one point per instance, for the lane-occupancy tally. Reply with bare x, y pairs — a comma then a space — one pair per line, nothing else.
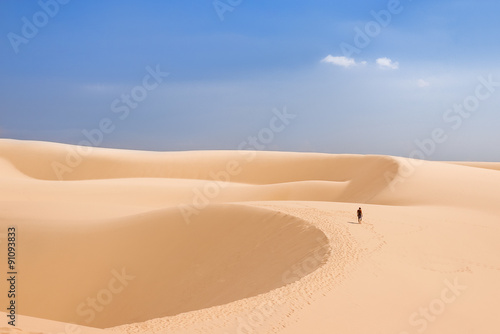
280, 175
197, 242
167, 266
486, 165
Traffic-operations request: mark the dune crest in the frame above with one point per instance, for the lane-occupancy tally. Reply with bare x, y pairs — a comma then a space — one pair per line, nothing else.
280, 175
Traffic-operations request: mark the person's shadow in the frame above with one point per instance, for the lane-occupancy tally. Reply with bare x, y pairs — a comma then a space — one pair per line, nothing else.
354, 223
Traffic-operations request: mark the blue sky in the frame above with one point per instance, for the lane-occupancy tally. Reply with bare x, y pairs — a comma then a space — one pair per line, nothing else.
226, 76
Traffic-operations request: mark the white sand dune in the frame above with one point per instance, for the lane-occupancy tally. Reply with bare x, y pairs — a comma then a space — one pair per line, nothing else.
486, 165
264, 242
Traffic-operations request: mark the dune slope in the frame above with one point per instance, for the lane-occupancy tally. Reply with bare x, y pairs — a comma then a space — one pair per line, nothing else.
153, 265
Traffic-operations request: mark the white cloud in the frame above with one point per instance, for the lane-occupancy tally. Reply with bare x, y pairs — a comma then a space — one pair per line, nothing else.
387, 64
422, 83
383, 63
339, 61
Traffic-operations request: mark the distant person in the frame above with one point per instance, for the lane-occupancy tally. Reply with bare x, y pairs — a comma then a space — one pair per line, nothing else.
360, 215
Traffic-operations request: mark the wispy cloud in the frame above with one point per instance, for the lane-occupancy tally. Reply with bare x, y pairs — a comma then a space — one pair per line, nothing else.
339, 61
387, 64
422, 83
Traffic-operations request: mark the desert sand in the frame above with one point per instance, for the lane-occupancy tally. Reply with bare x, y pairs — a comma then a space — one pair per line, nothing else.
119, 241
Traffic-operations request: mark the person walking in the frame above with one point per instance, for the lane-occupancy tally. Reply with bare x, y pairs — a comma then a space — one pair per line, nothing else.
360, 215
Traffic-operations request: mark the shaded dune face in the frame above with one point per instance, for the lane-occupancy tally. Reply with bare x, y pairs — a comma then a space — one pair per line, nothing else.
155, 265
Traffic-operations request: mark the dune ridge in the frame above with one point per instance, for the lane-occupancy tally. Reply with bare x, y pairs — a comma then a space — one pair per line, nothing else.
287, 175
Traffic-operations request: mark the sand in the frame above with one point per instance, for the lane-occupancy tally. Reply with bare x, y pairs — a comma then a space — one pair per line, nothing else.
119, 241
